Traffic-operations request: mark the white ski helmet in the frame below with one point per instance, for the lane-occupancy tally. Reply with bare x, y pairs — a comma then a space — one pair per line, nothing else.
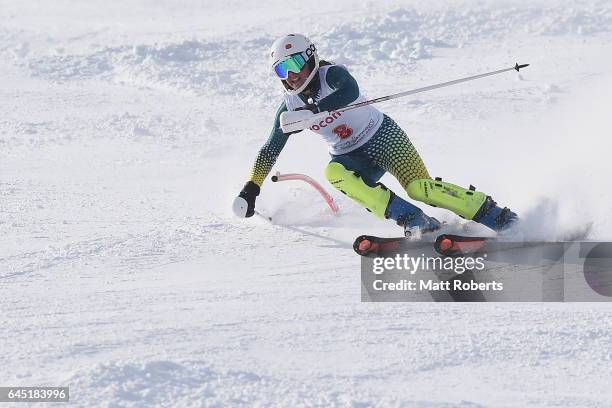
294, 45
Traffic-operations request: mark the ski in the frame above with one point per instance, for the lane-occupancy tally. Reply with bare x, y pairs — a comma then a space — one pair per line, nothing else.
457, 245
445, 245
369, 245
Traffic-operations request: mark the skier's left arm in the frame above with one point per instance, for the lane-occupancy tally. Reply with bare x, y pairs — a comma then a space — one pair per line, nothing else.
345, 92
345, 89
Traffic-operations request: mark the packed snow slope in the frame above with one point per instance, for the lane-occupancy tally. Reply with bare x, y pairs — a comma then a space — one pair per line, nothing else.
128, 128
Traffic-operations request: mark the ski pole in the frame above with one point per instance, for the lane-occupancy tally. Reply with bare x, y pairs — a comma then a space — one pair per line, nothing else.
516, 67
265, 217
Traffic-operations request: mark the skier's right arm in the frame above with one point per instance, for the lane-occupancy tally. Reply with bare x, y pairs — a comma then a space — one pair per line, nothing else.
266, 158
270, 151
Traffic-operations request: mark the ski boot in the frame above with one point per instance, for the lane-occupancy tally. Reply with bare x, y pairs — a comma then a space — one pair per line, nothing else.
465, 202
494, 217
420, 232
415, 222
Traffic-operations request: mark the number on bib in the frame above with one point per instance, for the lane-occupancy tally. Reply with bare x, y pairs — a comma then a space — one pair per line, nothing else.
343, 131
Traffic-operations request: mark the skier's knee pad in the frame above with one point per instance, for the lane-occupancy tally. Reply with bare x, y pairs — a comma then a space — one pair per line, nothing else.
464, 202
374, 199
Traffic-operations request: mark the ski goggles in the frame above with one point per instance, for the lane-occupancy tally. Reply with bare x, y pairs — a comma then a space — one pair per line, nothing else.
294, 63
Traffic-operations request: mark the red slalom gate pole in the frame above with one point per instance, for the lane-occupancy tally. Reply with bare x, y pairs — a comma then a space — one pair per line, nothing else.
302, 177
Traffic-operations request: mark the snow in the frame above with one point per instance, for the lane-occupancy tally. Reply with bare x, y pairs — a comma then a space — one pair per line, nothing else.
128, 128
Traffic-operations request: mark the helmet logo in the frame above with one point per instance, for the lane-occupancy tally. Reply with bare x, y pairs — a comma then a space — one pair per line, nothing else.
310, 50
288, 46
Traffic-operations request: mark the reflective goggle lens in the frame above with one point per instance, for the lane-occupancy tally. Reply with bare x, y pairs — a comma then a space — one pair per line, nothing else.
294, 63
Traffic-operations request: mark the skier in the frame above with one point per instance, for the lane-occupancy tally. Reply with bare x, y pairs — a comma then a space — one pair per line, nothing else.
363, 143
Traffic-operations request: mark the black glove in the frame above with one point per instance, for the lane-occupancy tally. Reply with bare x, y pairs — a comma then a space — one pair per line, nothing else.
313, 107
249, 192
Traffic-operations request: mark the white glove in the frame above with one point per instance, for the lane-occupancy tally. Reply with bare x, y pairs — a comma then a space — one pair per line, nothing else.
293, 121
240, 207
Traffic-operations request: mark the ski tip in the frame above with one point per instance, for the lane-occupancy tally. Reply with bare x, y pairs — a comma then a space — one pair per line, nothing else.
518, 67
445, 244
365, 245
362, 244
